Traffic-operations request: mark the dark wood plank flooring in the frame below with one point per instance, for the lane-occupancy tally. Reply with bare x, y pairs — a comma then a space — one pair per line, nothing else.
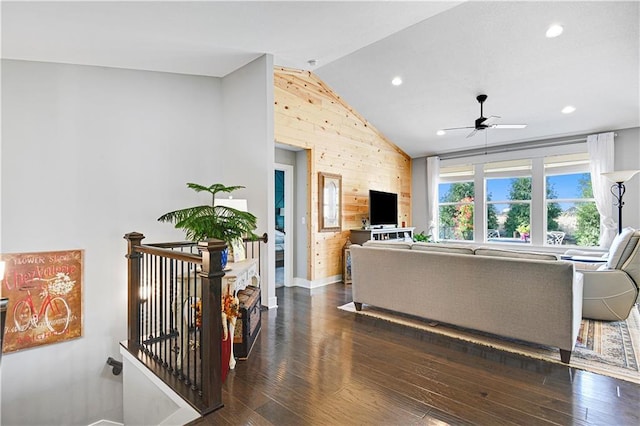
314, 364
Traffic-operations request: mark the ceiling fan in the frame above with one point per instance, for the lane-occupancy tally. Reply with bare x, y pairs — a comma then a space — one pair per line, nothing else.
483, 123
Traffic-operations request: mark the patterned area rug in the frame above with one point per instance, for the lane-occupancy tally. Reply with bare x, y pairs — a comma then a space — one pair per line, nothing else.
607, 348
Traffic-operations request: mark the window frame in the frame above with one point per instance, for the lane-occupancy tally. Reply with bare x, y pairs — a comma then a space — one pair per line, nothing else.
538, 173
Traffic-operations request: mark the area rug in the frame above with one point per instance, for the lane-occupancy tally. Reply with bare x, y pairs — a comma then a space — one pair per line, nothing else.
607, 348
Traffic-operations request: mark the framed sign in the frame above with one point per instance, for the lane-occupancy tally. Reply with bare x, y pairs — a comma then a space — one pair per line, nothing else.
329, 202
45, 298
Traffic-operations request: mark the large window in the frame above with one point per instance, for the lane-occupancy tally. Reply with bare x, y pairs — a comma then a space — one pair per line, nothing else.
508, 201
545, 201
572, 216
456, 195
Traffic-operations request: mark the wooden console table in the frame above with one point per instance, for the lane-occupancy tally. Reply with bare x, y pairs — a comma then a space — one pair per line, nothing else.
237, 278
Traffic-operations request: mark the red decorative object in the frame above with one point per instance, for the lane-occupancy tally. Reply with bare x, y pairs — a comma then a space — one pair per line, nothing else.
226, 355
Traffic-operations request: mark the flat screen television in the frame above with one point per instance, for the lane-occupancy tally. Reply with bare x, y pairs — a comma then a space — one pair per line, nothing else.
383, 209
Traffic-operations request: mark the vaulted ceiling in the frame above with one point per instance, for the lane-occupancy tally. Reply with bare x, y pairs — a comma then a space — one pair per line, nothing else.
446, 53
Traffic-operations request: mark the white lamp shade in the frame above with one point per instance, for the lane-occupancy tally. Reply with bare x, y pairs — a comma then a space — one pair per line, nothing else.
1, 270
238, 204
620, 175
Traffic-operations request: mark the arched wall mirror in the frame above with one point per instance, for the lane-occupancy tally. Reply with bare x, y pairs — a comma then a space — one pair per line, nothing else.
329, 202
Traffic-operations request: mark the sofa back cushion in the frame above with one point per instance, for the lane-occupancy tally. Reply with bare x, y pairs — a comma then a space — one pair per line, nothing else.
483, 251
441, 248
388, 244
622, 247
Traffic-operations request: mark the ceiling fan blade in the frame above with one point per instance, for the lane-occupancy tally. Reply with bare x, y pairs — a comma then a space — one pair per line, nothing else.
508, 126
472, 133
489, 120
459, 128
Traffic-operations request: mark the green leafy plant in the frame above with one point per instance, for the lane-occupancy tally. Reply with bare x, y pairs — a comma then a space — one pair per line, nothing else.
523, 228
421, 238
211, 221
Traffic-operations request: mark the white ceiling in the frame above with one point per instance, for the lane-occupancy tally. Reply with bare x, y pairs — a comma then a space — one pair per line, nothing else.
446, 52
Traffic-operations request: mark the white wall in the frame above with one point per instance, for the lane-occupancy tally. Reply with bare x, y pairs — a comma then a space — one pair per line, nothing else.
627, 156
248, 136
285, 156
148, 400
89, 154
627, 147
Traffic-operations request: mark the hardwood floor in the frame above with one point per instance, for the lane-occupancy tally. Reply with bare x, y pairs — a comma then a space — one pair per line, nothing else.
314, 364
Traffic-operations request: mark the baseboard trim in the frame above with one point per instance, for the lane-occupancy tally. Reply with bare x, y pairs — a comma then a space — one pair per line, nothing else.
301, 282
273, 303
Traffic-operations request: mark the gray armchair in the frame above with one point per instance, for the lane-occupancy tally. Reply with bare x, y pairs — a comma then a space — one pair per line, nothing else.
611, 291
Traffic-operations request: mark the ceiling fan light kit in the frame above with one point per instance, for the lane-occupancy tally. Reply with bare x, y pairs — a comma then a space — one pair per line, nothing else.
483, 123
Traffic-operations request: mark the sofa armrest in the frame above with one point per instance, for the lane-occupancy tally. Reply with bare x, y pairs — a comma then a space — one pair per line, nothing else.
576, 252
608, 281
587, 266
608, 295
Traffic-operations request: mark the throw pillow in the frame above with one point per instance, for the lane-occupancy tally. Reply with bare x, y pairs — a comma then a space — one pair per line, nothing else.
618, 248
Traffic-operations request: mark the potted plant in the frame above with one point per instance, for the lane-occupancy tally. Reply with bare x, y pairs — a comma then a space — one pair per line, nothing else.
422, 238
213, 221
524, 229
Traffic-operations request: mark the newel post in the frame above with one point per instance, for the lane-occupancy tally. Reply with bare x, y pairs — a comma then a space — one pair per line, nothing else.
133, 284
211, 277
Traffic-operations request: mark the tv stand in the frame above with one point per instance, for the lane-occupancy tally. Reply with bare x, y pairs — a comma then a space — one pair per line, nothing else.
360, 236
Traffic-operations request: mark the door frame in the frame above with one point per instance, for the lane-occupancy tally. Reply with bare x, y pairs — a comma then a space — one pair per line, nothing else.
289, 222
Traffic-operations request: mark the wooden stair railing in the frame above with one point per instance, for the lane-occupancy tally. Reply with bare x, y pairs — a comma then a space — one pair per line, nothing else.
174, 314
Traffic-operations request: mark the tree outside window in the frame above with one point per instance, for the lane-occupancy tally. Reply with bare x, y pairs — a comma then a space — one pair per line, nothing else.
520, 213
578, 216
588, 218
456, 211
568, 199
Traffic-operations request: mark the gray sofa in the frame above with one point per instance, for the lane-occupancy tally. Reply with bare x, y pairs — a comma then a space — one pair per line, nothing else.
527, 296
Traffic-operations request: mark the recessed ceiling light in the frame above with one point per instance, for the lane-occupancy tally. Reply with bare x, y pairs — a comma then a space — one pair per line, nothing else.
441, 132
568, 109
554, 31
397, 81
312, 62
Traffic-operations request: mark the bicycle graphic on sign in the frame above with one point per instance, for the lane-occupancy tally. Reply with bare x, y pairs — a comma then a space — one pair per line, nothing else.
54, 308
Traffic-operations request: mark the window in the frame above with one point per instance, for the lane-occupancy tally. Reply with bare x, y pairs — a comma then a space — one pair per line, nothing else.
572, 216
544, 200
508, 200
456, 196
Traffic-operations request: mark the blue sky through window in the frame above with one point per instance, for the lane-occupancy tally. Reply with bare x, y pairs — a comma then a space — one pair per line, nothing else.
565, 187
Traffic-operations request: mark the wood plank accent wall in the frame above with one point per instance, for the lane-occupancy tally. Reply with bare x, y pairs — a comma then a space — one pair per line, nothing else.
308, 114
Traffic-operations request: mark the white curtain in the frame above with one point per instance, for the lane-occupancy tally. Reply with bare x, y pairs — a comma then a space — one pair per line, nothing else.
433, 173
601, 155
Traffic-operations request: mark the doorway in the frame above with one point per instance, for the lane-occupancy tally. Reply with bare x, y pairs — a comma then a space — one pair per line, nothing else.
284, 218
